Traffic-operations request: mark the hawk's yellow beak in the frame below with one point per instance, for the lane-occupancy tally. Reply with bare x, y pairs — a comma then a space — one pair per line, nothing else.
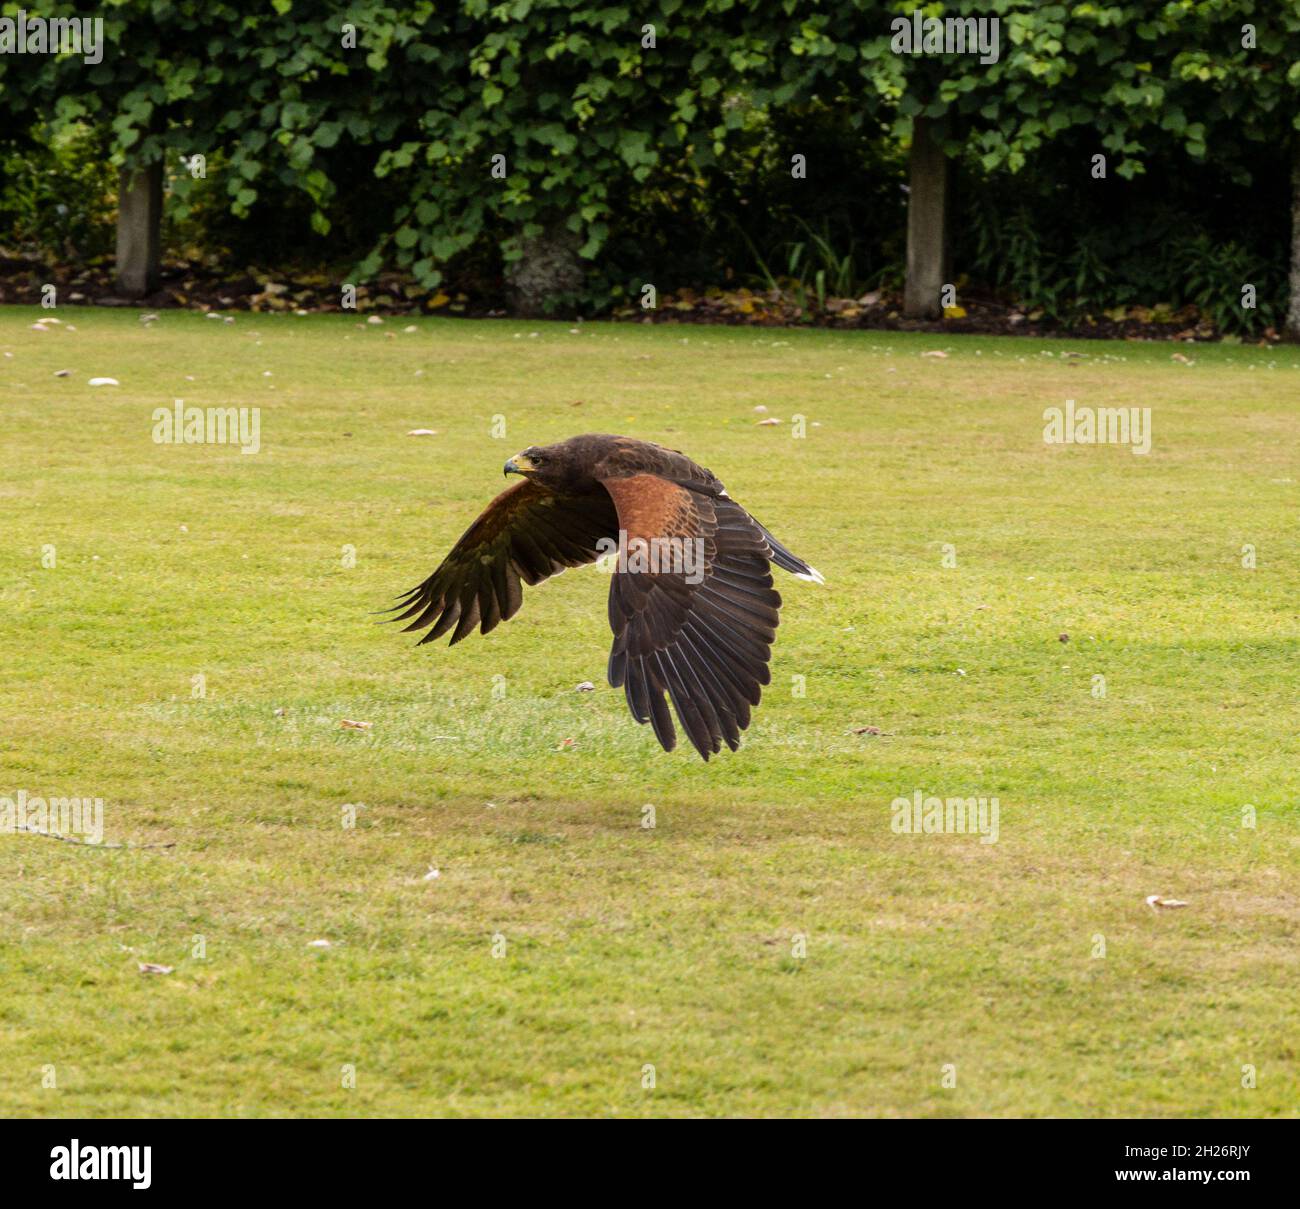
519, 464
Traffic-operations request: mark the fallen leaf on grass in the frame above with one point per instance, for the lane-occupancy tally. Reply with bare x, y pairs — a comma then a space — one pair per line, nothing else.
148, 967
870, 730
423, 432
103, 382
1156, 903
585, 687
934, 352
348, 724
768, 422
319, 944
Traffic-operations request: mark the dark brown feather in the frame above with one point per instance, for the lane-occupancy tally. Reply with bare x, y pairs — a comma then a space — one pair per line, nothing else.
706, 644
527, 533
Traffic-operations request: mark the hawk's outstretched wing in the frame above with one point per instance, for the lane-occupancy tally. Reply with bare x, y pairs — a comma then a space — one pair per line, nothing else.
527, 533
701, 631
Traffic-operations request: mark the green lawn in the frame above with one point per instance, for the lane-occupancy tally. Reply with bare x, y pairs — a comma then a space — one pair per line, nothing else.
626, 946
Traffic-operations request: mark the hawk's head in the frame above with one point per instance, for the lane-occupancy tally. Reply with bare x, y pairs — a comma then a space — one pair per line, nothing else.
553, 466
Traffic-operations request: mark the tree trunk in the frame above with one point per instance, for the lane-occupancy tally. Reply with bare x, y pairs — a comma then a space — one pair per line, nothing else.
1293, 304
548, 275
139, 218
927, 221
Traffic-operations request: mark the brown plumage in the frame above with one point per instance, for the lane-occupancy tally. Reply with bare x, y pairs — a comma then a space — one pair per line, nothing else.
692, 606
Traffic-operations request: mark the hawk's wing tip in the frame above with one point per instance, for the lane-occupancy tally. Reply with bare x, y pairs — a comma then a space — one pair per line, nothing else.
813, 576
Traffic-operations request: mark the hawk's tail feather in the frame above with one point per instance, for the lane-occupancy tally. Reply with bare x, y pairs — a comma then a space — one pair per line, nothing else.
789, 561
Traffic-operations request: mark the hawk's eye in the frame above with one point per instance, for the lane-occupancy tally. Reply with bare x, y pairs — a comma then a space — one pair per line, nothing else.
537, 459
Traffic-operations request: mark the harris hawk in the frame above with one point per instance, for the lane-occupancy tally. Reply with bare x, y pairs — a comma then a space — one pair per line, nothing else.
691, 602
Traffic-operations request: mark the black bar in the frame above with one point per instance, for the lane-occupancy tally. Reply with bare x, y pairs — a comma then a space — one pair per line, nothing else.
336, 1158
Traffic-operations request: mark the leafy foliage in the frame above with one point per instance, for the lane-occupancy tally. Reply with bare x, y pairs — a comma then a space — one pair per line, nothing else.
61, 195
626, 145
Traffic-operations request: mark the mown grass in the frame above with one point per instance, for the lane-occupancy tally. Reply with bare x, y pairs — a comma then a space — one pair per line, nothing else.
625, 946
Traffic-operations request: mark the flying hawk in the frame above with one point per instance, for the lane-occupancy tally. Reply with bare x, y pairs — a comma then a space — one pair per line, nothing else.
691, 603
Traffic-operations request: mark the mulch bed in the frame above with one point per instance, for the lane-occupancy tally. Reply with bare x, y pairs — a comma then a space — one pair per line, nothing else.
195, 287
